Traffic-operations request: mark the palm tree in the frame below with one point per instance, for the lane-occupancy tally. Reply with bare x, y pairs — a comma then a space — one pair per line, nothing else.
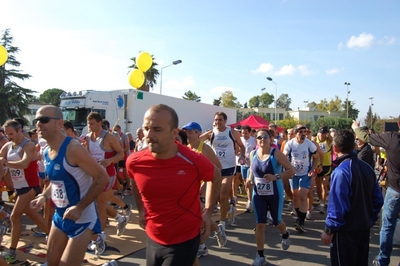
150, 75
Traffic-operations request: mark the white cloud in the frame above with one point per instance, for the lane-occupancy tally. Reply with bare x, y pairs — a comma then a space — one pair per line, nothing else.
364, 40
174, 87
265, 68
304, 71
332, 71
387, 40
286, 70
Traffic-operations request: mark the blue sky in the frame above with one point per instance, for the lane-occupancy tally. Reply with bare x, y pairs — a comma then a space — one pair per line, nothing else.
309, 48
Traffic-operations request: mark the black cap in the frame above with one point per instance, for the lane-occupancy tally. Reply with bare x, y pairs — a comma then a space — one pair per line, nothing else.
323, 130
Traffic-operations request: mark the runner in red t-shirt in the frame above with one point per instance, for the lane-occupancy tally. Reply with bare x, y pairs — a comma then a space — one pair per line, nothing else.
167, 179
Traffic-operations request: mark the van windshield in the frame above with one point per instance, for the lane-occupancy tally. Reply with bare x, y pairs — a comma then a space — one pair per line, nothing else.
76, 116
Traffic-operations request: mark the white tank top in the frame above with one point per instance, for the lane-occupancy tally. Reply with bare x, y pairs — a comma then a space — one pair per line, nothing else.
223, 145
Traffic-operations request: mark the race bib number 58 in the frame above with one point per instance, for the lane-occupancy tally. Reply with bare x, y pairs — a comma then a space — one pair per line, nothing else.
59, 194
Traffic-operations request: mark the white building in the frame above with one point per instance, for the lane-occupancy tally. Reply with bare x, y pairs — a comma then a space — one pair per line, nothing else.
33, 107
281, 113
312, 115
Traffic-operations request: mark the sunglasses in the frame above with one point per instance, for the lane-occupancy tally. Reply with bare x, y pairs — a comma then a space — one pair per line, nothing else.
301, 131
263, 137
45, 119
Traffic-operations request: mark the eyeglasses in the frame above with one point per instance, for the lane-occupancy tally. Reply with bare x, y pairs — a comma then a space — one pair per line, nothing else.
45, 119
263, 137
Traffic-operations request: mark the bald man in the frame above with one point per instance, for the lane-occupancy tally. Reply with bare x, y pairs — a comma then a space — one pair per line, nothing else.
76, 180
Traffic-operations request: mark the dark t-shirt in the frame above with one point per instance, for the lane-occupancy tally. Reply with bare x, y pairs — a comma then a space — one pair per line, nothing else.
390, 141
366, 154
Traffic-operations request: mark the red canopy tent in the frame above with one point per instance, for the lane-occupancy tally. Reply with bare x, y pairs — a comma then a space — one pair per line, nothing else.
253, 121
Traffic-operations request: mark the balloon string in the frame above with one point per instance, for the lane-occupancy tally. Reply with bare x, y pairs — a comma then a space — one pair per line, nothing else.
126, 108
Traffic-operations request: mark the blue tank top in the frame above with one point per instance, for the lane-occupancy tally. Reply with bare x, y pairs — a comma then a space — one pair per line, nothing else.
69, 184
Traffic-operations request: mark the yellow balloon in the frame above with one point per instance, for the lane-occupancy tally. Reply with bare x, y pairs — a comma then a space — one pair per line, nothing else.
136, 78
144, 61
3, 55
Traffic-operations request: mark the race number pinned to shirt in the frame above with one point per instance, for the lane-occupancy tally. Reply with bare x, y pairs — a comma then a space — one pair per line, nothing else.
264, 187
221, 153
59, 194
298, 166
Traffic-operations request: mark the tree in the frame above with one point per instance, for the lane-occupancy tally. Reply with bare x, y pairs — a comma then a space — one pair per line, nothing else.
51, 96
217, 102
245, 105
266, 99
254, 101
228, 100
284, 101
353, 113
331, 122
14, 99
191, 96
370, 123
150, 75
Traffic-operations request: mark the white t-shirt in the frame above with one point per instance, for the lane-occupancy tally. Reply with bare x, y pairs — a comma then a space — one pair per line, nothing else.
300, 155
250, 145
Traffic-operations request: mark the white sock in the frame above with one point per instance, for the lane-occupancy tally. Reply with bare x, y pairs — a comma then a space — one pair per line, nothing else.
119, 218
202, 246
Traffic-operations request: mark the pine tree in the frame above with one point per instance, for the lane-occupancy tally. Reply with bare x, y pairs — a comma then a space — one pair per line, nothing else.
14, 99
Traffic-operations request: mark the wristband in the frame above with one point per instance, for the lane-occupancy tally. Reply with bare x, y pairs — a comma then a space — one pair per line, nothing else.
42, 195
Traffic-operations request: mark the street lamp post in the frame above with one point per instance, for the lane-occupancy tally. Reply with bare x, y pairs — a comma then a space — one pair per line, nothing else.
262, 91
371, 98
173, 63
347, 98
276, 94
305, 104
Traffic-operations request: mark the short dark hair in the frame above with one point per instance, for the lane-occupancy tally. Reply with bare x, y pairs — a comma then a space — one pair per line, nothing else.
68, 125
96, 116
163, 107
106, 124
183, 136
20, 120
246, 127
12, 123
223, 114
344, 141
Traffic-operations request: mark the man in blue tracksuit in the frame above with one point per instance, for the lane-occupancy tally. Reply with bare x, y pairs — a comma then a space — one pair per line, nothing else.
355, 200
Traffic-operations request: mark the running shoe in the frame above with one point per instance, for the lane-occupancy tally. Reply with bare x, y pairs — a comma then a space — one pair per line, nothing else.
259, 261
308, 215
8, 257
293, 212
128, 211
249, 207
127, 192
231, 215
286, 241
121, 226
300, 228
110, 263
221, 236
37, 232
202, 252
321, 208
290, 206
376, 263
100, 244
216, 208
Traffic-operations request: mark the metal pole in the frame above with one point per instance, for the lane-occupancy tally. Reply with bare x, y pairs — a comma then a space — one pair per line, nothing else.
173, 63
347, 99
371, 98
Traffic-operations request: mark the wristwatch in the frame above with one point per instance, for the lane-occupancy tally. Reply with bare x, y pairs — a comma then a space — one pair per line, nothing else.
328, 230
278, 177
